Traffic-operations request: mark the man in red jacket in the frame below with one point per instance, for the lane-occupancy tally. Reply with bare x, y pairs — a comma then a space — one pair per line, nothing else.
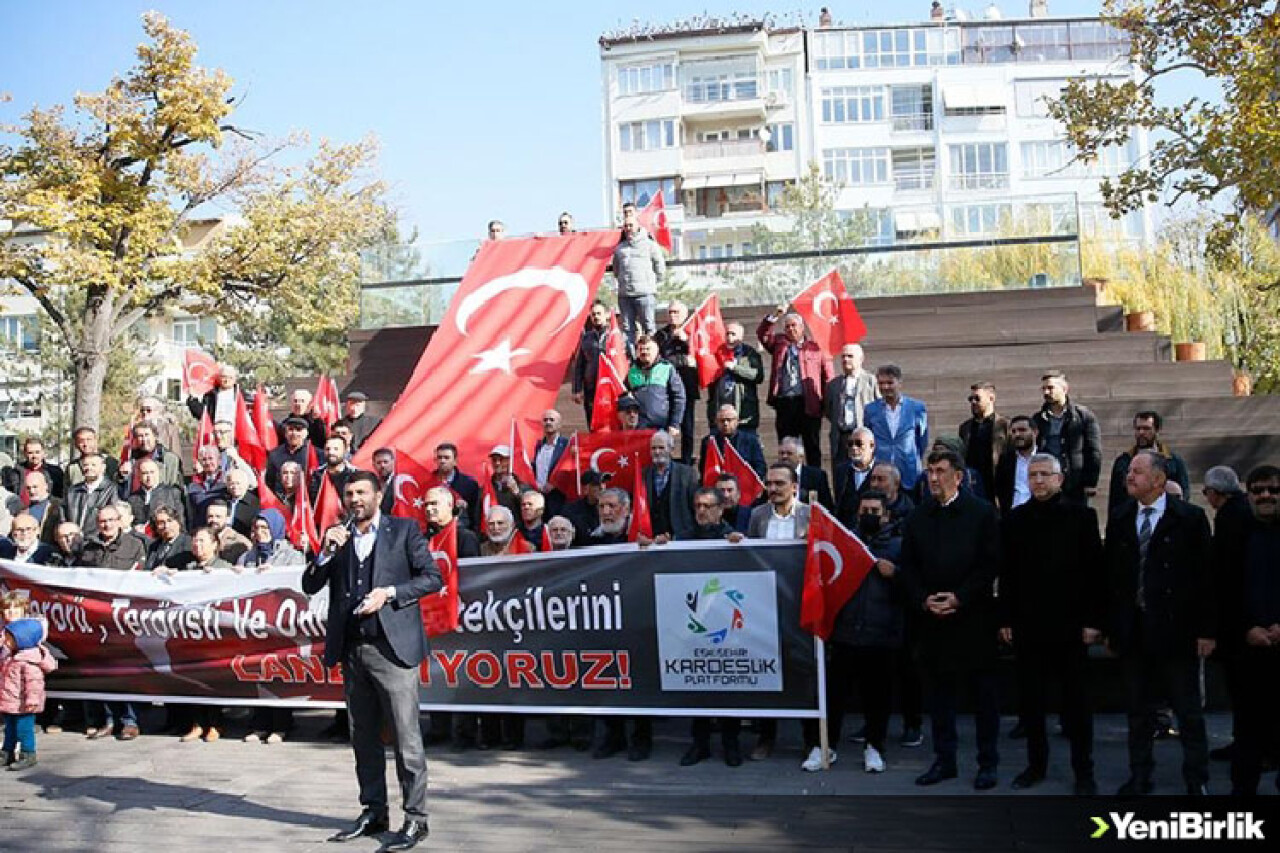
800, 373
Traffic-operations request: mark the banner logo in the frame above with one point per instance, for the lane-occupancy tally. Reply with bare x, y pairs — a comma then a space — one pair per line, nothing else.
718, 631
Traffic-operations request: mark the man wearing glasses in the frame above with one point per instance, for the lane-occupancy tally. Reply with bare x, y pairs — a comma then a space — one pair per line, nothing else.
985, 435
25, 545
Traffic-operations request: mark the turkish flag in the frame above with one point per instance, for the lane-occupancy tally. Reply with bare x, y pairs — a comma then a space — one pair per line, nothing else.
520, 545
204, 436
409, 487
503, 347
713, 464
247, 441
521, 465
654, 220
328, 504
199, 372
302, 523
613, 453
705, 329
749, 486
641, 524
262, 421
615, 348
440, 609
604, 408
546, 540
830, 314
326, 405
488, 495
835, 566
267, 499
567, 475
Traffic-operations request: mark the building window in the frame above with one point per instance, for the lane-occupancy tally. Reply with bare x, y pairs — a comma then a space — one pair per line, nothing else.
779, 81
173, 390
1042, 43
775, 192
979, 166
977, 220
20, 332
718, 201
713, 86
1096, 40
912, 107
781, 137
914, 168
1032, 96
852, 104
642, 79
640, 193
854, 49
856, 166
647, 135
1055, 158
186, 332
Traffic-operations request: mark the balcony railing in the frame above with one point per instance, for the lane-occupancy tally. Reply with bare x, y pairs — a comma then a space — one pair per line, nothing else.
720, 91
724, 148
913, 121
985, 181
915, 179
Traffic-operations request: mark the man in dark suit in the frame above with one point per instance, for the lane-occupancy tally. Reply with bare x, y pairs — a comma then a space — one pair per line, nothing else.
242, 504
810, 477
465, 489
219, 402
152, 494
670, 486
984, 435
546, 456
1163, 616
25, 546
1051, 608
1012, 487
376, 570
1070, 432
853, 476
33, 450
727, 431
950, 559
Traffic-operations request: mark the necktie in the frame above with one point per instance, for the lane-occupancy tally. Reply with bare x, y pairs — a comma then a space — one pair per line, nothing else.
1144, 543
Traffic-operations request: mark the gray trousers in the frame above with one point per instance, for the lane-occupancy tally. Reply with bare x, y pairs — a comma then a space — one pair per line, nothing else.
378, 688
638, 317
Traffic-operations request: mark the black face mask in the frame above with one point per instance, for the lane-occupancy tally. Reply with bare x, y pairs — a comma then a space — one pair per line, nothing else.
868, 524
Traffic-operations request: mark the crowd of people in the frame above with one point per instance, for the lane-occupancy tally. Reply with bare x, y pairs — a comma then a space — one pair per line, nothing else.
985, 539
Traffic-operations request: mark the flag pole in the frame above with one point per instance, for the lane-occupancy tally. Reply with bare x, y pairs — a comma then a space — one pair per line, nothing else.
819, 652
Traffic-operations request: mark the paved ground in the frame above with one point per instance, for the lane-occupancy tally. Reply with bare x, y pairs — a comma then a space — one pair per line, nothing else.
157, 793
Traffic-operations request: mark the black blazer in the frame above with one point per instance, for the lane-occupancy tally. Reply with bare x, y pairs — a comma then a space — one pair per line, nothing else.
847, 494
469, 490
681, 484
401, 558
246, 513
814, 479
42, 556
1179, 581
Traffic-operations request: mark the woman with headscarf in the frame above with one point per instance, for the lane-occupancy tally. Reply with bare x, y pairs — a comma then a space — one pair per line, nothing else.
270, 550
270, 547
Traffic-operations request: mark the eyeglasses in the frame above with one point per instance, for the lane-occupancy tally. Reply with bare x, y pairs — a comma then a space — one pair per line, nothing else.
974, 398
1264, 490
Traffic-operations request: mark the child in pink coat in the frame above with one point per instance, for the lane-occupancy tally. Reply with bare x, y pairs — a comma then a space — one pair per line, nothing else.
23, 664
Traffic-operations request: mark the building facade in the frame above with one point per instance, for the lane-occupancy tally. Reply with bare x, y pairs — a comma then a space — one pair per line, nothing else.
937, 129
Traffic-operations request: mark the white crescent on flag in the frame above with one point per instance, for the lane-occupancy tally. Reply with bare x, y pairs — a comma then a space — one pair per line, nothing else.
836, 560
198, 372
817, 306
595, 457
572, 285
400, 480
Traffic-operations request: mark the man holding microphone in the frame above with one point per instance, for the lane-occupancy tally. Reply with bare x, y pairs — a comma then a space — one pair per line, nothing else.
376, 568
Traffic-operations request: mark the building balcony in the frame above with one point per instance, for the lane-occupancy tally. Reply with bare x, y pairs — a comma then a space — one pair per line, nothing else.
724, 148
985, 181
912, 123
741, 98
910, 180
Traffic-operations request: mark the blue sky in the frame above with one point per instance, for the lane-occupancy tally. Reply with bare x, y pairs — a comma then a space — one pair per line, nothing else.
482, 109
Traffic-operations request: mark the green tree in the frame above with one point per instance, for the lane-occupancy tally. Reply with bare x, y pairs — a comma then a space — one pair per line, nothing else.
120, 197
1202, 149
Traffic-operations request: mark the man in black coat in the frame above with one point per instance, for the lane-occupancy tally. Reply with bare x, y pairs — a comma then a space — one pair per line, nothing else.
1146, 436
984, 435
376, 570
586, 359
727, 431
1071, 433
810, 477
1012, 488
670, 486
295, 448
1162, 616
465, 489
853, 476
950, 559
25, 546
673, 345
1051, 607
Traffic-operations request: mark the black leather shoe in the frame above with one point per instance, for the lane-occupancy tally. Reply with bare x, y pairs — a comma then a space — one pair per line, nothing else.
1086, 787
937, 773
733, 754
985, 780
410, 834
1135, 787
1027, 779
369, 823
694, 754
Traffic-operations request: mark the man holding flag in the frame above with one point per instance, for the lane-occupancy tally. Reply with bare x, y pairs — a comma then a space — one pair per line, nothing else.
742, 370
800, 373
673, 345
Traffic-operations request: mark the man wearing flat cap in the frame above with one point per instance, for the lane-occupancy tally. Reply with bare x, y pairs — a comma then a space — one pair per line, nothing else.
296, 448
361, 424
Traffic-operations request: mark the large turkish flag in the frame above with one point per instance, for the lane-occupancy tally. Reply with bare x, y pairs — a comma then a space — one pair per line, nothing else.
502, 348
830, 325
836, 565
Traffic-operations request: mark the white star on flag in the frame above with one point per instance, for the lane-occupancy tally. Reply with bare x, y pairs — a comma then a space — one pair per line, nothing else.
623, 461
498, 358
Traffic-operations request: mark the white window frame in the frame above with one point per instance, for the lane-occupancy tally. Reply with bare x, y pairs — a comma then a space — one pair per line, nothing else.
853, 104
856, 167
979, 165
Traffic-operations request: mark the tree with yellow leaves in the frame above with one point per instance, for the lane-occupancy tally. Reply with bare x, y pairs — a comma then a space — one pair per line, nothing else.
1203, 149
104, 218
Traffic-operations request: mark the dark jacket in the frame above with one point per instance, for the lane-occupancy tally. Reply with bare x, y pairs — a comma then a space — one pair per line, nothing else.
316, 431
281, 454
736, 386
1180, 605
200, 493
1231, 527
586, 361
585, 517
815, 368
875, 617
747, 444
53, 473
401, 559
682, 482
468, 542
1052, 583
953, 548
162, 495
1262, 577
983, 457
1081, 455
125, 552
1006, 480
703, 532
848, 492
676, 351
208, 403
245, 513
660, 393
43, 555
53, 516
361, 428
172, 555
814, 479
1117, 494
468, 490
82, 505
